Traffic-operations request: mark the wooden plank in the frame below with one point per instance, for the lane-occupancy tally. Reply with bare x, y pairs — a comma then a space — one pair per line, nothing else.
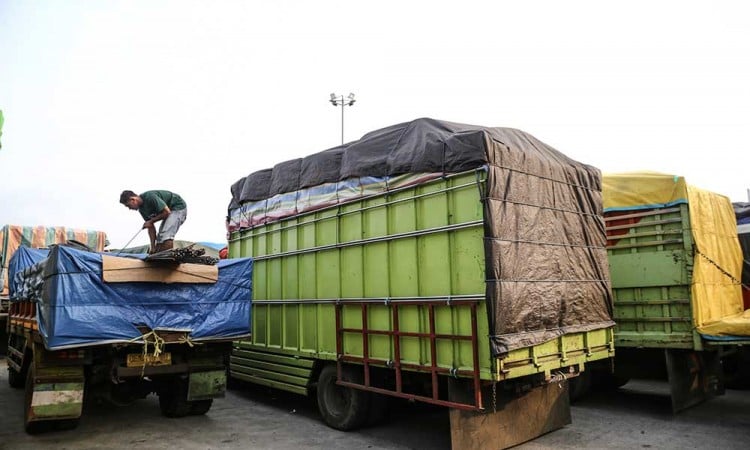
516, 420
128, 270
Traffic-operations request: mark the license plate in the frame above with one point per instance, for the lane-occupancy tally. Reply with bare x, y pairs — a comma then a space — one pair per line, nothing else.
138, 360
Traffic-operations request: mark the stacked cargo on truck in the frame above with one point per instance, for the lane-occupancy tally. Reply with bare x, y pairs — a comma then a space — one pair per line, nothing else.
14, 236
86, 324
458, 265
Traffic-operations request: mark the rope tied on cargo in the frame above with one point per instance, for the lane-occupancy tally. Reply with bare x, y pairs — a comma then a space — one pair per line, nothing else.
158, 342
559, 378
185, 339
721, 269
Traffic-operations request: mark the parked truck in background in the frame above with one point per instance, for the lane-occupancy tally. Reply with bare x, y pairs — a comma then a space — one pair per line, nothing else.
451, 264
742, 214
90, 325
675, 264
14, 236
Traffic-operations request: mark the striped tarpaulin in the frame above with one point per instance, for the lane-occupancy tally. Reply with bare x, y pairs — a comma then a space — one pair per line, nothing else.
317, 197
14, 236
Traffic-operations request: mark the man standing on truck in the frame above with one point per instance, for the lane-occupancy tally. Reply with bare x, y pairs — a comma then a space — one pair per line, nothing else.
155, 206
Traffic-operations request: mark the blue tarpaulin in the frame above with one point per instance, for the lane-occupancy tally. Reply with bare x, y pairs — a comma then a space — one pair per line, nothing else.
23, 258
77, 308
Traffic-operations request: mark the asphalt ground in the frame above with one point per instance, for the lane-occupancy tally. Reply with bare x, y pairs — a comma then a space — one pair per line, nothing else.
637, 416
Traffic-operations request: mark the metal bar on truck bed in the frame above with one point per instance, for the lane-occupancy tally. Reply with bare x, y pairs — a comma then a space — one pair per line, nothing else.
361, 242
641, 224
432, 368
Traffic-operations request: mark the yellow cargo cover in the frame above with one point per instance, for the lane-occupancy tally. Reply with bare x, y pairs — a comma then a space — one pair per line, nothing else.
716, 293
642, 190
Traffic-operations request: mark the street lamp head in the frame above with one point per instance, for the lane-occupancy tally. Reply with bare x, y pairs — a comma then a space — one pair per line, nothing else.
339, 100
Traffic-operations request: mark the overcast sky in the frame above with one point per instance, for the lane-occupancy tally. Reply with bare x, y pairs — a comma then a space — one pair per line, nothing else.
191, 96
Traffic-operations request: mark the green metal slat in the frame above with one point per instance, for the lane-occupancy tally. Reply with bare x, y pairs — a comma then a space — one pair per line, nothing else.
280, 368
270, 375
645, 244
643, 224
648, 269
275, 358
271, 383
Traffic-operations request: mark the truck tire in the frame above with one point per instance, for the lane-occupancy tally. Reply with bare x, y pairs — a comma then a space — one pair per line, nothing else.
609, 382
200, 407
173, 399
579, 386
16, 379
342, 408
66, 424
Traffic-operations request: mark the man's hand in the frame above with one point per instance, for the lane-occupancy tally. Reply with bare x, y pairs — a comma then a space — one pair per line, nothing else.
148, 224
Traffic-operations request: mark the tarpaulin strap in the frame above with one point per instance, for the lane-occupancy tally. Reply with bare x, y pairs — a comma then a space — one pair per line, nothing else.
735, 280
158, 342
185, 339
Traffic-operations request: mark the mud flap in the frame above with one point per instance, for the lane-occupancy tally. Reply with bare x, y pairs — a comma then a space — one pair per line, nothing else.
694, 377
517, 419
207, 385
57, 393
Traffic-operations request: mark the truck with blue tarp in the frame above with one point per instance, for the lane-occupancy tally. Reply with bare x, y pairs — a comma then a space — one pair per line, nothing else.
14, 236
85, 324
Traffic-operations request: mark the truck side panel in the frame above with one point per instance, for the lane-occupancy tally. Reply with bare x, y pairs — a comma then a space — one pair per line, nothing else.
420, 244
651, 263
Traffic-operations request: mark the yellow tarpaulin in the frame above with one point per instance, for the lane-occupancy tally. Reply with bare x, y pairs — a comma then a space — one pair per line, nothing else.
716, 290
716, 295
642, 190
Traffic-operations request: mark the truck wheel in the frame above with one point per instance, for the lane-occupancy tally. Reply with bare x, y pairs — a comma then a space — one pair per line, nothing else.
609, 382
342, 408
200, 407
66, 424
16, 379
579, 386
173, 399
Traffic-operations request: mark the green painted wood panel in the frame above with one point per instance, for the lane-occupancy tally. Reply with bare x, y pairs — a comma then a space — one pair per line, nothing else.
651, 263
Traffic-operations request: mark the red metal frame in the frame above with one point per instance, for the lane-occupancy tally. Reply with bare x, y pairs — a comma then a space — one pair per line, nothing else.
397, 364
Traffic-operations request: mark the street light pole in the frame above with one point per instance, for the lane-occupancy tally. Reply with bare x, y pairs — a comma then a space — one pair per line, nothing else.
339, 100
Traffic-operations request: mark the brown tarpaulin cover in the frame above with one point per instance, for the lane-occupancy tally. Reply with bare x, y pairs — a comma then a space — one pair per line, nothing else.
545, 244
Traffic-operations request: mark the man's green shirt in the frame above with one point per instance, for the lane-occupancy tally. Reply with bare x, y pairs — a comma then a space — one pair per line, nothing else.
155, 201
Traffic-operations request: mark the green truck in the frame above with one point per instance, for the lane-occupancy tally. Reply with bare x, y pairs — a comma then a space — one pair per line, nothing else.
457, 265
675, 263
